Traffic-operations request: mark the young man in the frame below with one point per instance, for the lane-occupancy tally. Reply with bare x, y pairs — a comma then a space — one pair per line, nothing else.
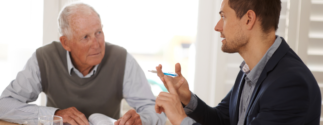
273, 86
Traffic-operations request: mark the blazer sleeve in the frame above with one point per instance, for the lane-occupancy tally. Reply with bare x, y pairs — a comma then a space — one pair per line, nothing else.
206, 115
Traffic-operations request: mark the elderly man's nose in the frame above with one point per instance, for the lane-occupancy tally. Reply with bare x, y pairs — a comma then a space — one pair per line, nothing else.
95, 42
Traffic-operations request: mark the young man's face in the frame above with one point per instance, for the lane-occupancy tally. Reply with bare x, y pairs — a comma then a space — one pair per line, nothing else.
230, 27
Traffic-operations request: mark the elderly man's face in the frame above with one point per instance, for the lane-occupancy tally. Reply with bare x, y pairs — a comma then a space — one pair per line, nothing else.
87, 42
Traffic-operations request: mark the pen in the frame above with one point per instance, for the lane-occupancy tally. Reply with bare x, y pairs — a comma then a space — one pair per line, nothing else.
168, 74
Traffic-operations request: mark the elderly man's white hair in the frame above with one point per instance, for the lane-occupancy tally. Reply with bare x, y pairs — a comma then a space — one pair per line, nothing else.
67, 11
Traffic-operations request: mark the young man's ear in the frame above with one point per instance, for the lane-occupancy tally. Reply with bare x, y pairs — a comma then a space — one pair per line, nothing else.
65, 43
250, 19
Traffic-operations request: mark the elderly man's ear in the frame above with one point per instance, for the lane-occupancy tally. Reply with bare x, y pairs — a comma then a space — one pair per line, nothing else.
65, 43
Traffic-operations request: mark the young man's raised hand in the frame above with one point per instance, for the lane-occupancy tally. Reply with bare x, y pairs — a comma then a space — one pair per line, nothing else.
179, 82
170, 102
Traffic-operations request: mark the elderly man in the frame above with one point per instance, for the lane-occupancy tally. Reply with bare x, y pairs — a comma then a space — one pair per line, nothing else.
81, 75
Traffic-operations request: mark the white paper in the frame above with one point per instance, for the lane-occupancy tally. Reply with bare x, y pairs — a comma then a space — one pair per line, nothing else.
100, 119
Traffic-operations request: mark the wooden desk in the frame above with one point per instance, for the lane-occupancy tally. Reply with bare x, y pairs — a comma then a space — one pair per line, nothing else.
6, 123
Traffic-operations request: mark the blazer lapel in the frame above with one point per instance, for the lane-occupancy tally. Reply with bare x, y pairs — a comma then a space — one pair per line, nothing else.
273, 61
240, 81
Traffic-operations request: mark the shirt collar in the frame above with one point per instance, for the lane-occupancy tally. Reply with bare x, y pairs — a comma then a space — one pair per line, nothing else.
254, 74
70, 68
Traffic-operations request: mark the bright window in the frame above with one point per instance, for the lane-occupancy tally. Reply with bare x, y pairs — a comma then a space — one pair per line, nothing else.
154, 32
21, 34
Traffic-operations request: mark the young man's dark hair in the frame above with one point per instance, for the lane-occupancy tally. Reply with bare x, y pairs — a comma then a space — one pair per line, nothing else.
267, 11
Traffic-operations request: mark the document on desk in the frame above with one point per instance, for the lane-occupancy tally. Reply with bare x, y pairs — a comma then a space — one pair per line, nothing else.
100, 119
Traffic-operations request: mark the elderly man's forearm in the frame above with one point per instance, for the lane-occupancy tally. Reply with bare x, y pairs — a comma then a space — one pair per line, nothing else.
13, 110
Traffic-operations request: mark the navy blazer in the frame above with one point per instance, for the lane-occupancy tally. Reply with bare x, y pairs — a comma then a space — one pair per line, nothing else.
286, 93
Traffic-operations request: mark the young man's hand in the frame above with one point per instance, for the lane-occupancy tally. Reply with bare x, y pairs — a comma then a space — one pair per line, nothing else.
179, 82
170, 103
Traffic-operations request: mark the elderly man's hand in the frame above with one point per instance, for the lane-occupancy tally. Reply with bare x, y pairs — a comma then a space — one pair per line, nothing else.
72, 116
130, 118
170, 104
179, 82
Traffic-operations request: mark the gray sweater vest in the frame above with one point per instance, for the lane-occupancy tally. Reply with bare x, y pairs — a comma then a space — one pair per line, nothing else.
101, 93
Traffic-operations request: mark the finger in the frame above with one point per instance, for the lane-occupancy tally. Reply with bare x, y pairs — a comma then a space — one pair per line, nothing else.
81, 117
77, 119
161, 102
165, 98
117, 122
130, 121
181, 81
159, 71
158, 105
164, 95
125, 118
167, 101
162, 109
170, 85
138, 122
157, 108
137, 116
178, 69
71, 121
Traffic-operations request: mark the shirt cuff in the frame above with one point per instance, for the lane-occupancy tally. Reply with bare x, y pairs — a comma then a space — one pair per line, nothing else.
191, 106
188, 121
45, 111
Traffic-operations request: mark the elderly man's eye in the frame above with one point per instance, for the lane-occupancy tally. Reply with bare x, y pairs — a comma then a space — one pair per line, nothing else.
85, 37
